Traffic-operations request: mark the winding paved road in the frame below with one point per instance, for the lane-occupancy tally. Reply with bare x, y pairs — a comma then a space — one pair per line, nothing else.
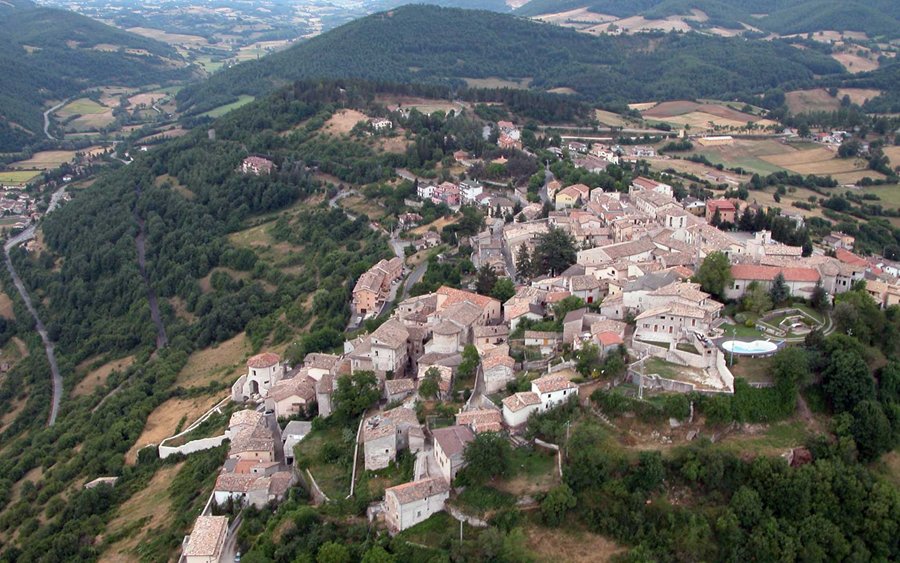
47, 119
56, 378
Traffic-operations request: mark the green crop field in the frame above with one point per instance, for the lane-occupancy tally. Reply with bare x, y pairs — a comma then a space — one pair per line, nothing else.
82, 106
222, 110
18, 176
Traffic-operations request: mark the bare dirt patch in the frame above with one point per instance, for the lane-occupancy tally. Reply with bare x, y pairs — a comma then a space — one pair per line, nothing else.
97, 378
146, 99
34, 475
146, 510
15, 409
438, 225
343, 121
563, 90
574, 546
855, 63
893, 153
494, 82
224, 362
395, 144
6, 307
163, 421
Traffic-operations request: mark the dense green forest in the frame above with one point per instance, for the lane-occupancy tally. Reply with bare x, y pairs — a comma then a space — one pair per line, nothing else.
876, 18
94, 303
49, 54
440, 45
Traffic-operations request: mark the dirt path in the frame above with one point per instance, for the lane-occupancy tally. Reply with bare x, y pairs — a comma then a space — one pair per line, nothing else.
140, 242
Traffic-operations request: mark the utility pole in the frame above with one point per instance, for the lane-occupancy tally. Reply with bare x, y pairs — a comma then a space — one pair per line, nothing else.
733, 336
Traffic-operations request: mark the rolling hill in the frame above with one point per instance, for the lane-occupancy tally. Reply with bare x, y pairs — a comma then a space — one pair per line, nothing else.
440, 45
48, 54
875, 18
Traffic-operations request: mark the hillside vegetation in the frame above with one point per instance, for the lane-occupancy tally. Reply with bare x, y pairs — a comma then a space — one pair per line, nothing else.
48, 54
442, 45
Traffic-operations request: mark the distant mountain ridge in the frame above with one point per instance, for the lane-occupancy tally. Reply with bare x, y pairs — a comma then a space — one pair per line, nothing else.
49, 54
429, 44
875, 17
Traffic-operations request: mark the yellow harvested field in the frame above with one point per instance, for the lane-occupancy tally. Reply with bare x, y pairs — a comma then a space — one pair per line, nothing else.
610, 118
893, 153
641, 106
854, 63
6, 307
438, 225
44, 160
171, 38
91, 122
831, 36
563, 90
700, 120
97, 378
580, 15
424, 105
343, 121
146, 99
818, 99
152, 503
823, 162
163, 421
636, 24
493, 82
576, 546
225, 362
396, 144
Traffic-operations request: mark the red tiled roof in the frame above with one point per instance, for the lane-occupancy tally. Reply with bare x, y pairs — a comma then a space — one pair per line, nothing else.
722, 204
848, 257
768, 273
264, 360
609, 338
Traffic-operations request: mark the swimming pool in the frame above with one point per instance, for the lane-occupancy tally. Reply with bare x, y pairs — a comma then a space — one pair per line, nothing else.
754, 348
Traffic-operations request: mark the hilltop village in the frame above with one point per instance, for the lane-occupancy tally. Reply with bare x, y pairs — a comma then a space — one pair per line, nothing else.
605, 290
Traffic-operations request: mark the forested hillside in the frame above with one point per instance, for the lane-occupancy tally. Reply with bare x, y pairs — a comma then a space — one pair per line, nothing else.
876, 18
48, 54
442, 45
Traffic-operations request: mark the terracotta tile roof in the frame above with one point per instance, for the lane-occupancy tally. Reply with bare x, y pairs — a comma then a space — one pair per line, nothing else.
245, 417
394, 386
264, 360
768, 273
369, 281
402, 415
453, 296
848, 257
392, 334
720, 204
551, 383
418, 490
235, 482
583, 283
252, 440
519, 401
303, 387
318, 360
487, 331
482, 420
207, 536
378, 427
452, 439
537, 334
609, 339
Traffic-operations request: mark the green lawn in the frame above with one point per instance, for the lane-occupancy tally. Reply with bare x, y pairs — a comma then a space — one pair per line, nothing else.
741, 331
332, 474
754, 370
889, 195
18, 176
687, 347
777, 439
222, 110
532, 462
662, 368
481, 499
437, 531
